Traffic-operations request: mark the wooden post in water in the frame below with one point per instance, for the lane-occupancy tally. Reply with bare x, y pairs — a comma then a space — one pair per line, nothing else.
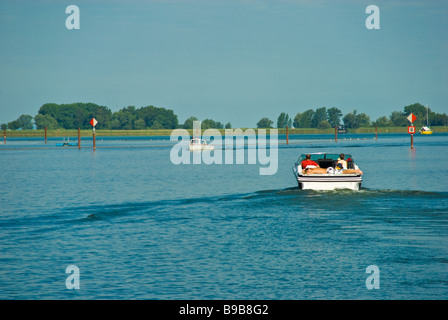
336, 133
79, 138
4, 136
412, 141
376, 132
94, 142
45, 135
287, 135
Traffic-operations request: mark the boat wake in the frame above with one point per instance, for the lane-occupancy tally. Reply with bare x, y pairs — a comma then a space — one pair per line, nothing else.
262, 203
168, 209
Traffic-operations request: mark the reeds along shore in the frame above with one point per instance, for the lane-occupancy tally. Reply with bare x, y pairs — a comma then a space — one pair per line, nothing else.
167, 132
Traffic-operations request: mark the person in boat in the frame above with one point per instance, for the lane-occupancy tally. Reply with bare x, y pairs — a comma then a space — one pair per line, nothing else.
329, 171
308, 163
314, 170
340, 169
348, 171
342, 161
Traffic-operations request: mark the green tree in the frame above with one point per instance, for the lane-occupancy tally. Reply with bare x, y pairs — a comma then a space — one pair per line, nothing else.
324, 124
334, 116
51, 109
45, 121
265, 123
228, 125
362, 120
114, 123
139, 124
382, 122
77, 115
283, 120
353, 120
124, 119
303, 120
188, 124
165, 117
211, 124
350, 120
25, 122
438, 119
101, 113
419, 111
13, 125
296, 122
398, 119
318, 117
156, 125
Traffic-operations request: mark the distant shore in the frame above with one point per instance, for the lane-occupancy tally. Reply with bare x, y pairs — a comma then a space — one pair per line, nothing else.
167, 132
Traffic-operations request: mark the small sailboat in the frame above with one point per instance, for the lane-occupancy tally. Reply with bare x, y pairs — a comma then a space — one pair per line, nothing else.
426, 129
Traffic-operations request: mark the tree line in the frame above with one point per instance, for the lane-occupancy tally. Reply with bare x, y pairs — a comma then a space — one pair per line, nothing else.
78, 115
323, 118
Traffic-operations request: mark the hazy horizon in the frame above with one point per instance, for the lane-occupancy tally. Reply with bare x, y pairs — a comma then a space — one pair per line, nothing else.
230, 61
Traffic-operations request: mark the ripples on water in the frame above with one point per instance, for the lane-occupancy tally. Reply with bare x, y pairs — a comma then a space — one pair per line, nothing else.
273, 244
233, 238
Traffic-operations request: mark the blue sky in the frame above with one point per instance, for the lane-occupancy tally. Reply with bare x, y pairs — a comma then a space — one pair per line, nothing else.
229, 60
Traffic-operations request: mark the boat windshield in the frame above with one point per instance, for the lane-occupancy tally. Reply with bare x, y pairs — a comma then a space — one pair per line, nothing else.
323, 156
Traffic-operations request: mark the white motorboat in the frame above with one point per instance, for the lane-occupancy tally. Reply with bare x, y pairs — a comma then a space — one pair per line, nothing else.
328, 174
197, 144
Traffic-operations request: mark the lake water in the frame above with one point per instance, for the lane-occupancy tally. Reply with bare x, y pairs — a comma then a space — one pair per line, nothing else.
139, 227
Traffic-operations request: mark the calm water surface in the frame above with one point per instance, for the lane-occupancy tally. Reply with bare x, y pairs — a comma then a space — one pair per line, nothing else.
140, 227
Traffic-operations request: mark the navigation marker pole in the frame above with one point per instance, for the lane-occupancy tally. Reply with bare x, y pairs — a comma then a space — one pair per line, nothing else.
411, 128
93, 122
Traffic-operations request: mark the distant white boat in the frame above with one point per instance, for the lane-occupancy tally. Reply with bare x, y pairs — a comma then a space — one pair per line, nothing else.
197, 144
328, 174
426, 129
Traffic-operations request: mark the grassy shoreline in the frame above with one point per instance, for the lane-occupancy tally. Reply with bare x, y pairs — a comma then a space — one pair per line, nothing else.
167, 132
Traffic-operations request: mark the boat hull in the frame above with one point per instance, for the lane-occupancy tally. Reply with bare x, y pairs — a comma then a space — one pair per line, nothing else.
201, 147
330, 178
329, 182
